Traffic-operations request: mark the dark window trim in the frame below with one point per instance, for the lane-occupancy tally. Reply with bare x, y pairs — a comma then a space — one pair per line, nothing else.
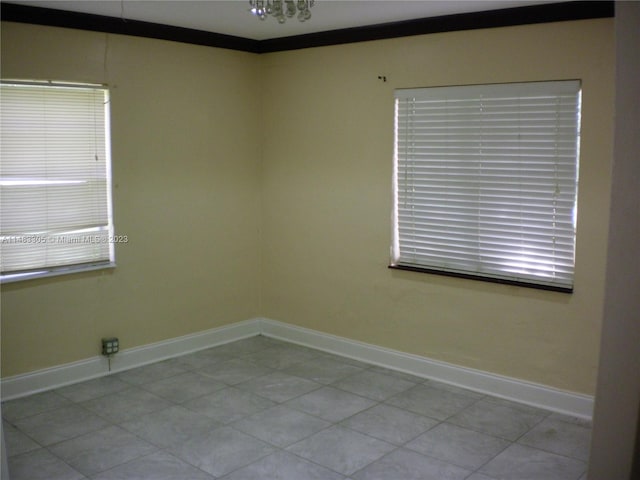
469, 276
532, 14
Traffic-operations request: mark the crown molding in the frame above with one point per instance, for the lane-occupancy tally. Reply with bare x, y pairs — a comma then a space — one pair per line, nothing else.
551, 12
532, 14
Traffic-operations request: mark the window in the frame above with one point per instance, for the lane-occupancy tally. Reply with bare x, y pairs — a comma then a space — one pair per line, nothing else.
55, 185
485, 182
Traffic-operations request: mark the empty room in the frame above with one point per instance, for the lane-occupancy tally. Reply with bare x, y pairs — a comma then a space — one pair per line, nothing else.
351, 240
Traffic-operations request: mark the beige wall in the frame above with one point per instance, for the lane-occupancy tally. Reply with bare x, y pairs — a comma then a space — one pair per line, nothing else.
186, 192
316, 180
327, 197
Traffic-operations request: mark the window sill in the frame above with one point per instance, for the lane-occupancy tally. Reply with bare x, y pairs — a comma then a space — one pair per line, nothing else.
54, 272
469, 276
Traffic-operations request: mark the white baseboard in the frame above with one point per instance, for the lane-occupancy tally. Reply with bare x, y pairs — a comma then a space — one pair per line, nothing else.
533, 394
513, 389
94, 367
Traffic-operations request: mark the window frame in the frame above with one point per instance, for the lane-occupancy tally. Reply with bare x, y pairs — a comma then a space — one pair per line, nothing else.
105, 233
396, 260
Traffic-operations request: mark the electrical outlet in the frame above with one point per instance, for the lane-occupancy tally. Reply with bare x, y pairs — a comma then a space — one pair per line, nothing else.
110, 346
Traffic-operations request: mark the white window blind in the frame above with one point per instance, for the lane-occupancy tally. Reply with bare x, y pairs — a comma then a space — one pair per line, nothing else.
485, 181
55, 209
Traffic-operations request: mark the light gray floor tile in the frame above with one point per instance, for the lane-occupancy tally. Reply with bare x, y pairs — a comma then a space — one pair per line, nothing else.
247, 346
281, 356
32, 405
201, 359
157, 466
61, 424
152, 372
454, 389
583, 422
559, 437
497, 420
233, 409
229, 404
126, 405
330, 404
41, 465
99, 451
283, 466
183, 387
390, 424
293, 347
431, 402
374, 385
281, 426
479, 476
279, 386
350, 361
323, 370
16, 441
221, 451
517, 406
396, 373
170, 426
525, 463
406, 465
90, 389
341, 449
235, 371
458, 446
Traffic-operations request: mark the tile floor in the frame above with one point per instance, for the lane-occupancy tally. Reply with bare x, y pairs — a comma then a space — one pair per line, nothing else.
261, 409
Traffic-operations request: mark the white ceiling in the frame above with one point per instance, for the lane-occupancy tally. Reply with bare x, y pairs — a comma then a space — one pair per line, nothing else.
232, 17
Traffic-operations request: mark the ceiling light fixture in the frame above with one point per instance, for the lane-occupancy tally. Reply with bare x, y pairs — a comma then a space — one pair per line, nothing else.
282, 9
